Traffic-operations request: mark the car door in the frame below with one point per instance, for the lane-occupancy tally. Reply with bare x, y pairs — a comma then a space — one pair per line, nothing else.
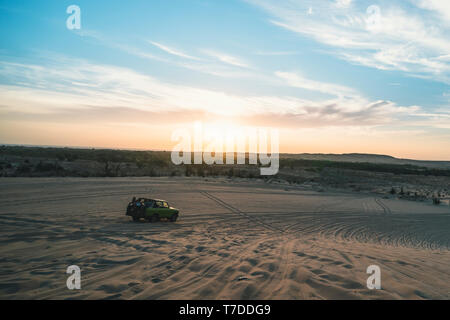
151, 209
165, 211
158, 208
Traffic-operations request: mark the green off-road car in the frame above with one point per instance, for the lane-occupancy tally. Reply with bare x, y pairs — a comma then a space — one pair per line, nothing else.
151, 209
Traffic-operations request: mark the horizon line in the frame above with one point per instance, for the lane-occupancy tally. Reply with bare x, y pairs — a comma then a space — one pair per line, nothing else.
161, 150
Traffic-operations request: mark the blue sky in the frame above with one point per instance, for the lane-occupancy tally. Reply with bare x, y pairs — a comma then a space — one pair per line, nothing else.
345, 76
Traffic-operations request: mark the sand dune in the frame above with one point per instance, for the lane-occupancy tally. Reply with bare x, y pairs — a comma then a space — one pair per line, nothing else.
235, 239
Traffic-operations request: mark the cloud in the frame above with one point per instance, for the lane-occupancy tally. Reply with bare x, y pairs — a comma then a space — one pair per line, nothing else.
108, 93
75, 102
172, 51
101, 39
331, 115
390, 36
343, 3
194, 63
441, 8
226, 58
276, 53
298, 81
102, 115
56, 107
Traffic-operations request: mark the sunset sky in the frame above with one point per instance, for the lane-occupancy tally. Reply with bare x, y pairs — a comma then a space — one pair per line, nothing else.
334, 76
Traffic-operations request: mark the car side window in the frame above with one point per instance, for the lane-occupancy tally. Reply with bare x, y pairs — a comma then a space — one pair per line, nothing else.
149, 204
159, 204
166, 205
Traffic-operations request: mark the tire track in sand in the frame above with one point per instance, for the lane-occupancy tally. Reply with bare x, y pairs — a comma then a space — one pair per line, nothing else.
286, 251
239, 212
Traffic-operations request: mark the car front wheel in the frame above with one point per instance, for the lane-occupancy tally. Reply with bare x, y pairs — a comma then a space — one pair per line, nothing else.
174, 217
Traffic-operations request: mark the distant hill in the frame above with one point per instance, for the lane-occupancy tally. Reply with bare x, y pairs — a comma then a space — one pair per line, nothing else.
370, 158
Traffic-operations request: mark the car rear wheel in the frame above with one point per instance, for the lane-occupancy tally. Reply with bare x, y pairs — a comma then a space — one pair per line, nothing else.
154, 218
135, 219
174, 217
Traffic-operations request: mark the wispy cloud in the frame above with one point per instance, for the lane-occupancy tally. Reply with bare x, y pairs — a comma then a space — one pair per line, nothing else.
343, 3
390, 36
226, 58
299, 81
441, 8
101, 39
225, 66
173, 51
276, 53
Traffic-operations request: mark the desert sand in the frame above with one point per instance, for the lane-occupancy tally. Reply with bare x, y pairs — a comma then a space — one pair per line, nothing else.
235, 239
